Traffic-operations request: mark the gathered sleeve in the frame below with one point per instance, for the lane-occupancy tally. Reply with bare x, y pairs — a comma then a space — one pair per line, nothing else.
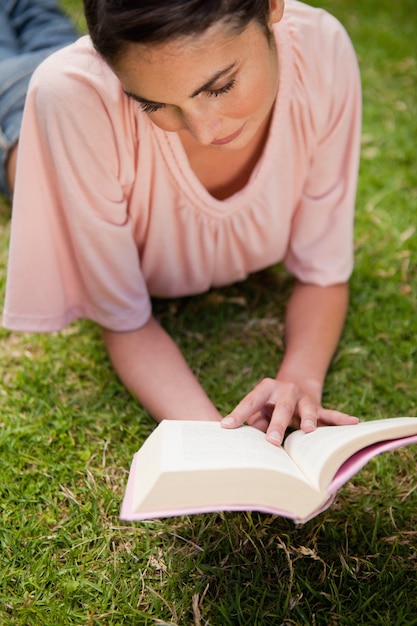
321, 243
72, 249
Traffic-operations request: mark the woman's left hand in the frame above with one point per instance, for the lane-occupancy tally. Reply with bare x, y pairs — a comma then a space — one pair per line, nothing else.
273, 405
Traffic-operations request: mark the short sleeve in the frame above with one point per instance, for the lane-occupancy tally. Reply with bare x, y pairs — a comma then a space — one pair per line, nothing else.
321, 243
72, 249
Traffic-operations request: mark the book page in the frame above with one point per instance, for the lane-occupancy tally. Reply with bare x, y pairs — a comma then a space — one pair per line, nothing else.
191, 466
192, 446
320, 454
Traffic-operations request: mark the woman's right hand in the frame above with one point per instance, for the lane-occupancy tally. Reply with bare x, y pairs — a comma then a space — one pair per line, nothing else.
274, 405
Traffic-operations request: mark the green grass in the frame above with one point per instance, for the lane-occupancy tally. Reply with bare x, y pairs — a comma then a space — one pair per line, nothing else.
68, 429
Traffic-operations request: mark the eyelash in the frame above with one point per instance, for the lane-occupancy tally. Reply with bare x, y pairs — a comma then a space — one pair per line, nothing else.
153, 108
222, 90
150, 108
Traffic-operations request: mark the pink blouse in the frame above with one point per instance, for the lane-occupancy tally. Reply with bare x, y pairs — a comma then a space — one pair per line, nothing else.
107, 211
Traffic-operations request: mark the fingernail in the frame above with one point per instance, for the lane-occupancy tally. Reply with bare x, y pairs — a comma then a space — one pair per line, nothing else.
274, 436
310, 425
228, 421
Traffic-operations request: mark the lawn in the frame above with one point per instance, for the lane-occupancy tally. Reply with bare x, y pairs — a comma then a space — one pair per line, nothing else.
68, 428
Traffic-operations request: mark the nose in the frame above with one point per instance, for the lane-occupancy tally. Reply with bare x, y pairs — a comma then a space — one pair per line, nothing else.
203, 125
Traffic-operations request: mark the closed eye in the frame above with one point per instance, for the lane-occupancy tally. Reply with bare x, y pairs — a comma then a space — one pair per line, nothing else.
148, 107
153, 107
221, 90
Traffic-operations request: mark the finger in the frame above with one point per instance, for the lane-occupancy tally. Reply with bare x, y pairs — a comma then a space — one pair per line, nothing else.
329, 417
251, 404
282, 414
308, 413
260, 421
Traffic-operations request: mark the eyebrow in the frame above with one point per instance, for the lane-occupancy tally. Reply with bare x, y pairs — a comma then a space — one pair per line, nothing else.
195, 93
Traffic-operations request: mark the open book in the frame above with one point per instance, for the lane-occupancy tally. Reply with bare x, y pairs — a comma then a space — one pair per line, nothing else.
189, 467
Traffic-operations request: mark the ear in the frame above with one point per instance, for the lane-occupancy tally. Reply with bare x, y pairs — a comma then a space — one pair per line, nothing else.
276, 8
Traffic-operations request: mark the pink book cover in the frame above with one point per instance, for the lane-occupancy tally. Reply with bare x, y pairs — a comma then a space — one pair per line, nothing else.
355, 463
347, 470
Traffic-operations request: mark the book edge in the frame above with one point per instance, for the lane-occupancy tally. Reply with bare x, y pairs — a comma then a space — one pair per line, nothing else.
357, 461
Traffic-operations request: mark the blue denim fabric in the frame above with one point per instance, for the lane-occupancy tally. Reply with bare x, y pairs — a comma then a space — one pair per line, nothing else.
30, 30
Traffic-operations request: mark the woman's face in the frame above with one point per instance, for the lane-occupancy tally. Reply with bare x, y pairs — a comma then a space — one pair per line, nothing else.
218, 86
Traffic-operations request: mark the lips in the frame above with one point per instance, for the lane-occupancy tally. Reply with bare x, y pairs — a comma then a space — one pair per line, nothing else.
225, 140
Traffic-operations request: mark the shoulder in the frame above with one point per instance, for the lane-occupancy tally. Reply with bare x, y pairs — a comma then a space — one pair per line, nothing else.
74, 93
320, 58
315, 23
73, 72
317, 35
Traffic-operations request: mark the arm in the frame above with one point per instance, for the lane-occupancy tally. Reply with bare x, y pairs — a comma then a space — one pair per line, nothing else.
150, 364
314, 321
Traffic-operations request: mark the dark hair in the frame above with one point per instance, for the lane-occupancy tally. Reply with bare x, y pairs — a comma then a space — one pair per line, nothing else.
114, 24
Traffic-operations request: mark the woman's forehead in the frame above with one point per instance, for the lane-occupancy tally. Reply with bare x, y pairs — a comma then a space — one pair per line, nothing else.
181, 68
218, 35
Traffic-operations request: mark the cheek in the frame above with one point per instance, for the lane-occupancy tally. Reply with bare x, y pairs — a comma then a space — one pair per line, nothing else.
254, 98
166, 120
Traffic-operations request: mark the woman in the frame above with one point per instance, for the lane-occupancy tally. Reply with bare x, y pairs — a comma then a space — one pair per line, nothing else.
188, 145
